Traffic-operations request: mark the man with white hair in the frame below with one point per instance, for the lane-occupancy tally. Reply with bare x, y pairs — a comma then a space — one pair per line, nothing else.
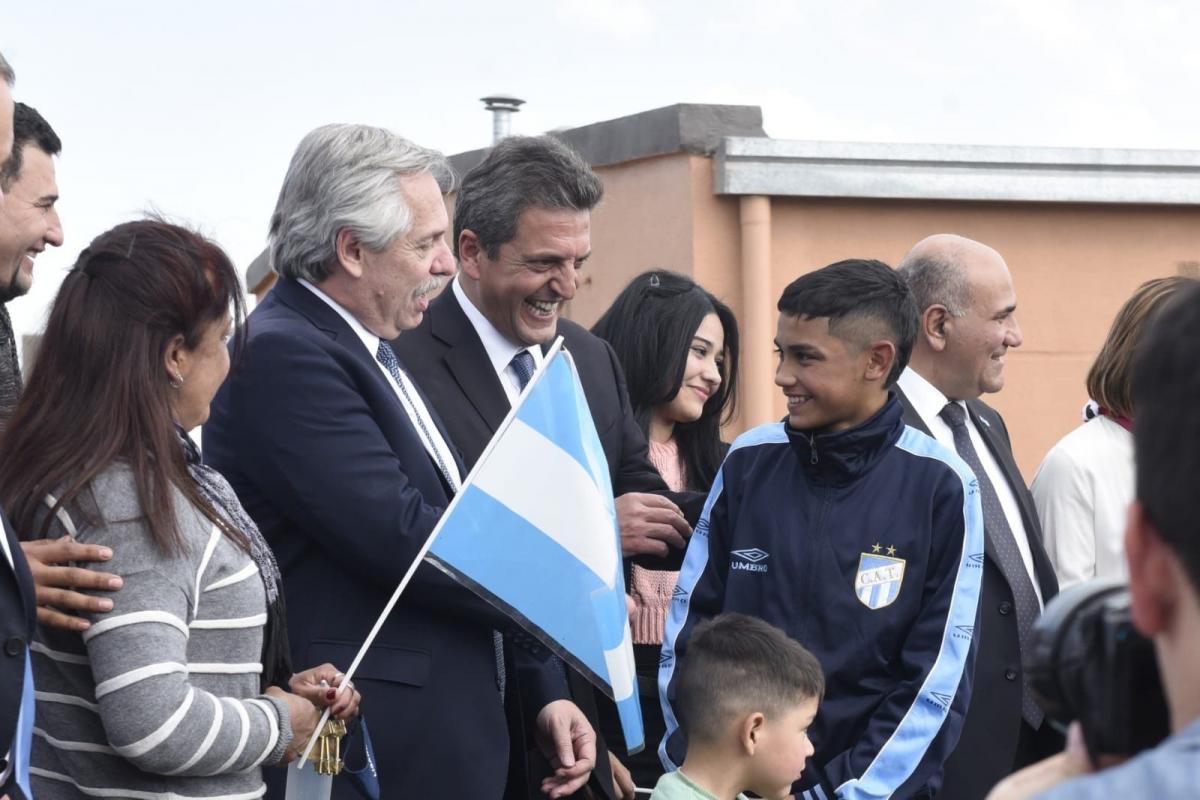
346, 469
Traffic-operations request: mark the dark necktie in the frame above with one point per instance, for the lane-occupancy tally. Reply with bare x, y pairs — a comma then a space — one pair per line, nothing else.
522, 364
387, 357
1008, 553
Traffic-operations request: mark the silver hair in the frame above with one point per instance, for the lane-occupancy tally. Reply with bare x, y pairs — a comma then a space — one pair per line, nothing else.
6, 72
937, 279
345, 176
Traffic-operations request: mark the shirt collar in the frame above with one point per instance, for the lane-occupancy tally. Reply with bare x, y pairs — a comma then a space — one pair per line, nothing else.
369, 340
500, 350
926, 399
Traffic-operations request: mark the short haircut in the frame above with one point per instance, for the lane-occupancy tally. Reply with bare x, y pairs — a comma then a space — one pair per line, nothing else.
737, 664
936, 278
6, 71
29, 127
1166, 434
864, 300
1108, 381
521, 172
345, 176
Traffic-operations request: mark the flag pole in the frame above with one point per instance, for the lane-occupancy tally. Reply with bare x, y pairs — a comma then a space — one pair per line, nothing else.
412, 568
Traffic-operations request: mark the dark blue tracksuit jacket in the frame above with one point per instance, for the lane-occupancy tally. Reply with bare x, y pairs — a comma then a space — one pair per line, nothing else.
866, 546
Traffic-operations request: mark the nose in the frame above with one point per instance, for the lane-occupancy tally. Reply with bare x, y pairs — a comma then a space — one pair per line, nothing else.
712, 373
54, 234
1014, 337
443, 262
783, 378
565, 281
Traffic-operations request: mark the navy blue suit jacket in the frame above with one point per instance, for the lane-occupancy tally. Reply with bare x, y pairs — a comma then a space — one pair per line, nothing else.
320, 451
17, 618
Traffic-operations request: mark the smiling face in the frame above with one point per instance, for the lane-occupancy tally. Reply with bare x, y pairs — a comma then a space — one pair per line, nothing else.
972, 361
823, 376
784, 749
522, 290
28, 221
701, 374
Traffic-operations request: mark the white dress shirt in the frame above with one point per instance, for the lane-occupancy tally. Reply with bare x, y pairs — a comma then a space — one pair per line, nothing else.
435, 445
1082, 492
499, 349
928, 403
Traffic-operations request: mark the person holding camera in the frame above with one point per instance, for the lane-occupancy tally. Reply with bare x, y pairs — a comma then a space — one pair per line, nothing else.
1162, 549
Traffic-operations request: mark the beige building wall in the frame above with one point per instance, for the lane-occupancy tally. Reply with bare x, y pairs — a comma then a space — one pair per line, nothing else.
1073, 266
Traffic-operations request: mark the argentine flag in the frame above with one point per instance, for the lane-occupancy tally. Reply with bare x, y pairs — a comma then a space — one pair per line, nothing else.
534, 531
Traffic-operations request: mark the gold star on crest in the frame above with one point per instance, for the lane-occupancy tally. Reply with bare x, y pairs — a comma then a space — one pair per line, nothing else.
875, 548
891, 551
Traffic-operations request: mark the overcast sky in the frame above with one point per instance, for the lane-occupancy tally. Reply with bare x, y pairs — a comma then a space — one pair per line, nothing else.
194, 109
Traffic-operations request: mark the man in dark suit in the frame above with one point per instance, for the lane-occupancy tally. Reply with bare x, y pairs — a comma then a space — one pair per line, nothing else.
346, 469
968, 323
522, 226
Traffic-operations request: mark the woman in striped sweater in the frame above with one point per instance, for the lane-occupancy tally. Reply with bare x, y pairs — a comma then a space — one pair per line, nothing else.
178, 690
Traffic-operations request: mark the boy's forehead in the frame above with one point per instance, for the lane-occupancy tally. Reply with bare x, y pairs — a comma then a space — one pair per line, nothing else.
793, 331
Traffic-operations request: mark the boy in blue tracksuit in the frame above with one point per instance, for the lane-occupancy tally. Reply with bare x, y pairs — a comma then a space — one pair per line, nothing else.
858, 536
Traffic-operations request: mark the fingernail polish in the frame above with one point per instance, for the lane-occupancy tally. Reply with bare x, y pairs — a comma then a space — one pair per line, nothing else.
330, 694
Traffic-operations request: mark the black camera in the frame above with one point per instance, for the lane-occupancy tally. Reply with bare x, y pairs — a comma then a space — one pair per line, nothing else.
1089, 663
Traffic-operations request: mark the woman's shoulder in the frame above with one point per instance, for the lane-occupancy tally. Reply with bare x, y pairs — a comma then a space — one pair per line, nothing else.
112, 500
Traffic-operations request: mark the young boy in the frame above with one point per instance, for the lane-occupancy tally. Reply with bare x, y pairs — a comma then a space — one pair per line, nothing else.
859, 537
746, 696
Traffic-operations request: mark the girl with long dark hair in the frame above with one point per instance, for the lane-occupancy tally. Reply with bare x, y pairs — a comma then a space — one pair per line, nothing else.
678, 346
177, 690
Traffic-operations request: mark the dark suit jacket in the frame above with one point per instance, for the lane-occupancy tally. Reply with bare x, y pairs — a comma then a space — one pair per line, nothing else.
17, 618
320, 451
448, 360
987, 748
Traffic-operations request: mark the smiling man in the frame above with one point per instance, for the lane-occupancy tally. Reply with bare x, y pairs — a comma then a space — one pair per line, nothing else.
852, 532
968, 324
28, 224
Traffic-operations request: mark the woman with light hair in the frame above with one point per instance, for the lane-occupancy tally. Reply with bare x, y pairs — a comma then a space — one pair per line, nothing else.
1084, 486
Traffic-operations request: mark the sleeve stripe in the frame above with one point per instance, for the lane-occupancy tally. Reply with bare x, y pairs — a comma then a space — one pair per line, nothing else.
58, 655
135, 618
209, 738
906, 747
66, 699
213, 538
77, 747
229, 624
134, 794
241, 745
272, 714
134, 675
153, 740
237, 577
224, 669
63, 517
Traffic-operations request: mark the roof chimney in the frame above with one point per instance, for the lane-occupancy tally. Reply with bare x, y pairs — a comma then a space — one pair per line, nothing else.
502, 108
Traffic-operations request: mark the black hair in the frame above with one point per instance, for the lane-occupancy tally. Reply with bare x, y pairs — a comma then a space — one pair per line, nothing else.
1166, 435
650, 327
853, 294
736, 664
29, 127
518, 173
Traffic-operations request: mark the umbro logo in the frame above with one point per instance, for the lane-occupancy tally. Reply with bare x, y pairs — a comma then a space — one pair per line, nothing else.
940, 700
965, 631
679, 593
749, 560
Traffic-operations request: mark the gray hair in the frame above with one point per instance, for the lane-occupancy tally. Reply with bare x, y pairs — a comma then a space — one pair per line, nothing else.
6, 72
521, 172
345, 176
937, 279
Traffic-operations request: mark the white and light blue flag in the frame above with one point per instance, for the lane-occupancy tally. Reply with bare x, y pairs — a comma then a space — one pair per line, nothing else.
534, 531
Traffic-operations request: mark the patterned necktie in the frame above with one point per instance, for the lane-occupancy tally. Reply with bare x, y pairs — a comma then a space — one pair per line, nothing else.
522, 364
1011, 563
386, 356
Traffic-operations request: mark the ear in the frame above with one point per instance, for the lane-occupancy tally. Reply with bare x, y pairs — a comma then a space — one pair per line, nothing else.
1153, 586
934, 323
350, 251
177, 359
470, 252
751, 732
881, 356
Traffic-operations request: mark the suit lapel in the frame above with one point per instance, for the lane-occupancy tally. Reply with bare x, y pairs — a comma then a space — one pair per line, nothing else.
467, 360
20, 572
911, 417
